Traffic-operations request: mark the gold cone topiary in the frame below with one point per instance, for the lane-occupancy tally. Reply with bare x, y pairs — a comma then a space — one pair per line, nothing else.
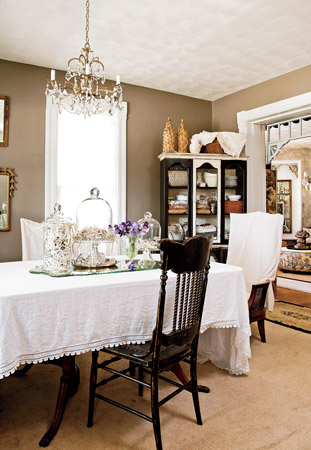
168, 137
182, 138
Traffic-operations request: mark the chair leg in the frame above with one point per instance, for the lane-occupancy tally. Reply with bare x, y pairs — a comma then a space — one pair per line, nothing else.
132, 369
194, 389
141, 378
93, 380
155, 409
261, 328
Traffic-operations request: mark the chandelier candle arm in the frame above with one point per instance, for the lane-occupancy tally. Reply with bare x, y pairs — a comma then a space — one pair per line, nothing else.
84, 91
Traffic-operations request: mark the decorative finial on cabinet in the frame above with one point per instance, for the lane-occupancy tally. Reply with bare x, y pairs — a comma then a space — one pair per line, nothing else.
182, 138
168, 137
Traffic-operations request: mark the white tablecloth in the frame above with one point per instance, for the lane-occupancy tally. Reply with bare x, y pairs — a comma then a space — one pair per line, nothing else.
44, 318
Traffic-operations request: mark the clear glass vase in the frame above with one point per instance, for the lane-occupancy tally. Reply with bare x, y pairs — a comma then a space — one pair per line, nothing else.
132, 249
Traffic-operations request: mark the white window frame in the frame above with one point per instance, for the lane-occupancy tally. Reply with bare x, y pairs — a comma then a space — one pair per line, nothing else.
51, 140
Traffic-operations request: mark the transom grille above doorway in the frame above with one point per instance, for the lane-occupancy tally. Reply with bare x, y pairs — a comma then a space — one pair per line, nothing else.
280, 133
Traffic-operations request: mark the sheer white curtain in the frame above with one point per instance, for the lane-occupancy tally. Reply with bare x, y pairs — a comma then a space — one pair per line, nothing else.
82, 153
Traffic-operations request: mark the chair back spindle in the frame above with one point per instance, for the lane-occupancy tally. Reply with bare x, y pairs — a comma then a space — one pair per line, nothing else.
190, 262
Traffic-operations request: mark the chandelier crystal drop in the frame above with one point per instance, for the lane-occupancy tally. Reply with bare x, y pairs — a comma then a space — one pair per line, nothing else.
84, 91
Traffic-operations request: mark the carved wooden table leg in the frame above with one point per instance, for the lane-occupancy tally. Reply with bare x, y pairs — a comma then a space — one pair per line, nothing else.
69, 383
177, 370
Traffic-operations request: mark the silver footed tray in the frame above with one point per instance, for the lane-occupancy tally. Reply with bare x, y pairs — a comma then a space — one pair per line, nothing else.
83, 264
119, 266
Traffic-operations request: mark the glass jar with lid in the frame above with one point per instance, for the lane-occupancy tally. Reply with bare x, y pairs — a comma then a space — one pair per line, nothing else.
149, 241
58, 233
92, 241
153, 235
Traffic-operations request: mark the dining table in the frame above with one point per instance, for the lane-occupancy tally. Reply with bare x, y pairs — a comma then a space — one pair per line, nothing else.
45, 318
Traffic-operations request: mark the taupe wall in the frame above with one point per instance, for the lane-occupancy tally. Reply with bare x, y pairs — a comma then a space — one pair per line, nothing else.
225, 109
25, 86
148, 110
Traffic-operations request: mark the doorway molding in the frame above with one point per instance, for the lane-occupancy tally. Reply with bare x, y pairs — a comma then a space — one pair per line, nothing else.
252, 123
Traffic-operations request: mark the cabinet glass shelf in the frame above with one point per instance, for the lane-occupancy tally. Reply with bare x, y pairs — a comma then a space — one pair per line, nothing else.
206, 187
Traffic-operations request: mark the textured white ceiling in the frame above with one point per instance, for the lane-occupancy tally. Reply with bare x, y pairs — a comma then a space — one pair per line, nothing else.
200, 48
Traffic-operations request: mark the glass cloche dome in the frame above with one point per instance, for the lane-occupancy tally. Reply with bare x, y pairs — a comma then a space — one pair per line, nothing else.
153, 235
92, 241
149, 241
94, 212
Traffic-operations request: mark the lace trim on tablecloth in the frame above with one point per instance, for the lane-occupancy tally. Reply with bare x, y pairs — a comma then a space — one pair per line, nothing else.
80, 349
244, 332
230, 324
241, 370
241, 343
10, 368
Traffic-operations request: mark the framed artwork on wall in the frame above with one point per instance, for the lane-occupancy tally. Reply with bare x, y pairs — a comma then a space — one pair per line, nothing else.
4, 121
7, 187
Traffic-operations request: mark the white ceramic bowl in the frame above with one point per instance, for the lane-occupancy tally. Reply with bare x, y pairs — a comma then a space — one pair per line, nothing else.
234, 198
210, 179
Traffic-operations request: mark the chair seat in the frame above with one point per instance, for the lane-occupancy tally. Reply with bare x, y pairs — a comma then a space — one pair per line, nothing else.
168, 355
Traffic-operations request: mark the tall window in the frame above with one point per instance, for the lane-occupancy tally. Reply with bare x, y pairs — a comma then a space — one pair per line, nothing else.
82, 154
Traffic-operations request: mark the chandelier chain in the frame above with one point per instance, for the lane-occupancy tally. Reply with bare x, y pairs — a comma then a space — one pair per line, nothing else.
87, 17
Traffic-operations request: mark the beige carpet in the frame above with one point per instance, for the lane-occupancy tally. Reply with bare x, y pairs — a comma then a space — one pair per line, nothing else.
270, 408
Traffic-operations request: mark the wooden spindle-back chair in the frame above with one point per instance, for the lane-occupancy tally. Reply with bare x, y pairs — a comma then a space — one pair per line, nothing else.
190, 262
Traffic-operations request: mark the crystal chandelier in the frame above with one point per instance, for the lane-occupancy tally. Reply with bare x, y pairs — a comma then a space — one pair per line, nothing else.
84, 91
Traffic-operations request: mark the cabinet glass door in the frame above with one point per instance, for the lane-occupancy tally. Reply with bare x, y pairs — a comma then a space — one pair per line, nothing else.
234, 192
206, 198
178, 197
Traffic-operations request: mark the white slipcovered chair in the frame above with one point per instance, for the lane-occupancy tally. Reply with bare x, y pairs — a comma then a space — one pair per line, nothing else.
255, 244
32, 240
32, 249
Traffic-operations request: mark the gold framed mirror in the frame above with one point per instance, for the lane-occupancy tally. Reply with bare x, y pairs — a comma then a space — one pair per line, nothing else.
4, 121
7, 187
284, 203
